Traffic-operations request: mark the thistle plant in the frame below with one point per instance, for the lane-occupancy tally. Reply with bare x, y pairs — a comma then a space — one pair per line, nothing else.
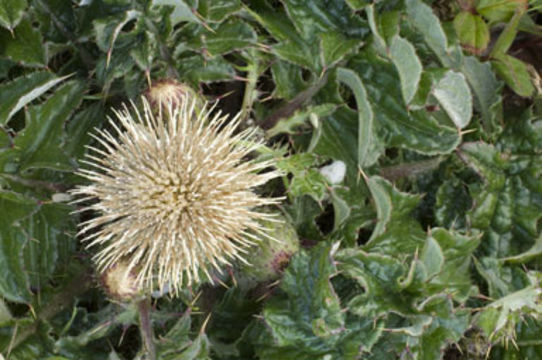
174, 193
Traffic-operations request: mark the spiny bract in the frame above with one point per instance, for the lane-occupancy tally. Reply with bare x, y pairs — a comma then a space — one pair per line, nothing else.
174, 194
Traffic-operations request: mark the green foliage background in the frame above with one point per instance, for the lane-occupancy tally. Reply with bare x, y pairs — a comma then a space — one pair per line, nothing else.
429, 247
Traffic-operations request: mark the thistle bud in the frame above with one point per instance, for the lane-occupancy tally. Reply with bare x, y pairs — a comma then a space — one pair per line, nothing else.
272, 256
120, 282
169, 92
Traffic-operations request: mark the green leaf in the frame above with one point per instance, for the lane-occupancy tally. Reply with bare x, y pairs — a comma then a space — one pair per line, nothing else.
533, 252
367, 152
396, 232
499, 318
507, 36
47, 241
199, 349
432, 257
452, 204
296, 54
5, 314
357, 4
428, 24
288, 80
453, 94
403, 55
11, 12
300, 117
307, 321
515, 73
181, 11
24, 45
39, 141
13, 278
380, 277
486, 89
306, 180
80, 127
499, 10
219, 10
228, 36
319, 16
197, 69
508, 207
21, 91
472, 31
107, 30
335, 47
447, 261
337, 137
501, 280
417, 130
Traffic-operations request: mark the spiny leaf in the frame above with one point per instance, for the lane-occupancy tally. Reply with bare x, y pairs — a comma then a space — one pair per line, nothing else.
367, 152
21, 91
404, 57
39, 141
13, 278
454, 95
24, 45
11, 12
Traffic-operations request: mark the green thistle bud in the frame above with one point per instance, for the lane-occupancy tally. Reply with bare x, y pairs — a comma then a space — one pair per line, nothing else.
272, 256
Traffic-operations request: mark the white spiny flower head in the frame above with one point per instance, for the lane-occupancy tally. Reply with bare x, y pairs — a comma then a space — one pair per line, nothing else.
174, 194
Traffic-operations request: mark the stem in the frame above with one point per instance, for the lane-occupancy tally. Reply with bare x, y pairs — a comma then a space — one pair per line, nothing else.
404, 170
250, 87
145, 327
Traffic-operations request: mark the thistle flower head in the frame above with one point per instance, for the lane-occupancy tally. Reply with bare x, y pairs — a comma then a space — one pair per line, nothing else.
174, 194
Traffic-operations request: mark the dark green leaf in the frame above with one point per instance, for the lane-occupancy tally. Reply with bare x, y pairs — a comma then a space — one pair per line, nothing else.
307, 321
229, 36
219, 10
453, 94
24, 45
13, 278
499, 10
39, 141
320, 16
428, 24
335, 46
509, 206
288, 80
418, 130
514, 72
181, 11
368, 151
396, 233
47, 241
107, 31
299, 118
196, 69
472, 31
11, 12
21, 91
486, 89
403, 55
